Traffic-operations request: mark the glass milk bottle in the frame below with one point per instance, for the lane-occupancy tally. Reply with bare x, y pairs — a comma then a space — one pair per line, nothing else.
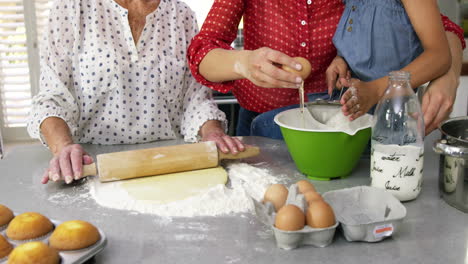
397, 142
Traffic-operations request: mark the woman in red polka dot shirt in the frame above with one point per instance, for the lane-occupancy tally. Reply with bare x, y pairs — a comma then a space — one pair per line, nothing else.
274, 32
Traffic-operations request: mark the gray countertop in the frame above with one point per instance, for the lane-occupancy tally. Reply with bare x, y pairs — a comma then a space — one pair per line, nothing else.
432, 232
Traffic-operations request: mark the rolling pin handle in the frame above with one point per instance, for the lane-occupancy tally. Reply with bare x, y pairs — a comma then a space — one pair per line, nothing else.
249, 151
89, 170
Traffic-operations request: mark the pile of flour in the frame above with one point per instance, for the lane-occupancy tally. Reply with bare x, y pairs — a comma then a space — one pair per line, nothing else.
325, 118
246, 182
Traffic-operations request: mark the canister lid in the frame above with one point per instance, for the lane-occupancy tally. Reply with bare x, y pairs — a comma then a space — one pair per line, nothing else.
455, 130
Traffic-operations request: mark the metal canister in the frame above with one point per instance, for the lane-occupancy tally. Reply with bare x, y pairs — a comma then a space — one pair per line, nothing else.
453, 168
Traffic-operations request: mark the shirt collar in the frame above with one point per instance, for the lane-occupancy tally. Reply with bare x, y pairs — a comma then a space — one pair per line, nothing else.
124, 12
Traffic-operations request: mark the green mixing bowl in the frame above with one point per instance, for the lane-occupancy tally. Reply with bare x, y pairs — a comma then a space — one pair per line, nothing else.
323, 154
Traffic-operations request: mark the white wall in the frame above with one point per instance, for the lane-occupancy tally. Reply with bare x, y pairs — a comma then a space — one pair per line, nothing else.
451, 9
460, 107
201, 8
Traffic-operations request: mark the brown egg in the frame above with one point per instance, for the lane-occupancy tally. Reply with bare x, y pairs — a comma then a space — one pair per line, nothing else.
304, 72
290, 218
276, 194
311, 196
320, 214
305, 186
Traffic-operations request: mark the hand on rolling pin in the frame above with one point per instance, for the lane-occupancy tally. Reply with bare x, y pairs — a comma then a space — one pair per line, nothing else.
259, 66
67, 164
212, 131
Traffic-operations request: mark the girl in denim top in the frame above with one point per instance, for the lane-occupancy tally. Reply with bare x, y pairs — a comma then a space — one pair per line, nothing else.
375, 37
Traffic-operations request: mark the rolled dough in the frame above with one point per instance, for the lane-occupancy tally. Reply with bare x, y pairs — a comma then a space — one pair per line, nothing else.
175, 186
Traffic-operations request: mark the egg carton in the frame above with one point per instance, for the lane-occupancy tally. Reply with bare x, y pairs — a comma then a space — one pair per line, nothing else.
366, 213
68, 256
317, 237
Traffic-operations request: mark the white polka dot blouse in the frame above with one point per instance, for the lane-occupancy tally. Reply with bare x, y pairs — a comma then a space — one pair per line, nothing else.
110, 90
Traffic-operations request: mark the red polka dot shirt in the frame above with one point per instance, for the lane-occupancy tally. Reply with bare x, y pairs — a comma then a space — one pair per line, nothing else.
295, 27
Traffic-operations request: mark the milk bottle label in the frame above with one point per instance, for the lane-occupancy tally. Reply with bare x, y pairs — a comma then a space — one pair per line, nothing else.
397, 169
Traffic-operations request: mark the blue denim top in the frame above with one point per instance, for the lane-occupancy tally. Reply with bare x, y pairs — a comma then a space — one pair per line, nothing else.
376, 37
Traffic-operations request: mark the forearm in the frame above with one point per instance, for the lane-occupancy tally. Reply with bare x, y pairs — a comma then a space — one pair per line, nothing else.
220, 65
439, 97
435, 60
428, 66
456, 51
56, 133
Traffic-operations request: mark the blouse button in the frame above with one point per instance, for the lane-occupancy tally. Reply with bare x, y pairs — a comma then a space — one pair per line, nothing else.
309, 2
303, 22
350, 28
350, 21
353, 8
303, 44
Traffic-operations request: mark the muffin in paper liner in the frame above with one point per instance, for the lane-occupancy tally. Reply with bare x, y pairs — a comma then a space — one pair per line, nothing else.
44, 239
5, 248
66, 256
74, 235
30, 226
6, 215
34, 252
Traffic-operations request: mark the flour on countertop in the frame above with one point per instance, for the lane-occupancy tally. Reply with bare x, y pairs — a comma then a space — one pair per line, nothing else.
68, 199
246, 182
77, 196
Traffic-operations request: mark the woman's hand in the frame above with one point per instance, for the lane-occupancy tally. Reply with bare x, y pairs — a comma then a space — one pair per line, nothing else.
260, 66
439, 97
68, 160
212, 131
337, 73
437, 101
67, 164
359, 98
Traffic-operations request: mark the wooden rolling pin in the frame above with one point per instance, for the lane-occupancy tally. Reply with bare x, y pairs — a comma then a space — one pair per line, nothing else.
161, 160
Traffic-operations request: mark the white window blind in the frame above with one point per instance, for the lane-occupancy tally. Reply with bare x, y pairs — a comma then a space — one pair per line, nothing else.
22, 23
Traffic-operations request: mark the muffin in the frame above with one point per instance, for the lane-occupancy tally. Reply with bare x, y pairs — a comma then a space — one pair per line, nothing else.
34, 253
5, 215
73, 235
5, 247
29, 226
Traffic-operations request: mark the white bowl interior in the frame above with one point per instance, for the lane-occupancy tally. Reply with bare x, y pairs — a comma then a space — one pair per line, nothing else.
322, 118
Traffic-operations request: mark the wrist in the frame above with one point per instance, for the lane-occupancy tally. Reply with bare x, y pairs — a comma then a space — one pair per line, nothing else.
210, 126
448, 83
240, 67
57, 147
380, 85
452, 78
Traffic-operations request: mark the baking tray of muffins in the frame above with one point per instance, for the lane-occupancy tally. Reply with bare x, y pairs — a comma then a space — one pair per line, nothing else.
33, 238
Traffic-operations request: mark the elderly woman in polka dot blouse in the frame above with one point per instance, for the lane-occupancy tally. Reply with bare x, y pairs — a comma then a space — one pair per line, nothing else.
115, 72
